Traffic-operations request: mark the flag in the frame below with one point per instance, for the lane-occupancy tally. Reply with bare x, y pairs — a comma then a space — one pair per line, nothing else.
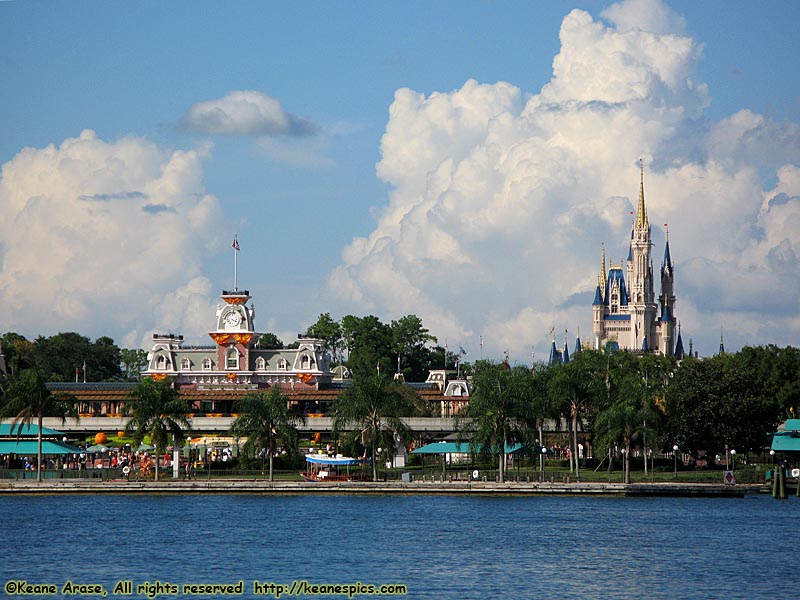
235, 244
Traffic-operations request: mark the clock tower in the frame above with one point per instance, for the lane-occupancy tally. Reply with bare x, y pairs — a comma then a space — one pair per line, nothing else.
234, 332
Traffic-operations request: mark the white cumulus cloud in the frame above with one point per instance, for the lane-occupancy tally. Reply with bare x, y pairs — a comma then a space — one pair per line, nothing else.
102, 236
245, 113
500, 199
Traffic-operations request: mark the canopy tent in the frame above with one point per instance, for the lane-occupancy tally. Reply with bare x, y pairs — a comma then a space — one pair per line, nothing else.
787, 439
324, 459
462, 448
11, 430
30, 447
97, 448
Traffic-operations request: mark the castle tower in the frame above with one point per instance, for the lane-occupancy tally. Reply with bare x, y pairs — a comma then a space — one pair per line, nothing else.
624, 311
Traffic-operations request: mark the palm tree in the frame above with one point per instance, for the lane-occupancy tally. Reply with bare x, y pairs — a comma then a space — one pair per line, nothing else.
571, 387
500, 411
265, 420
374, 405
26, 398
629, 414
617, 425
156, 410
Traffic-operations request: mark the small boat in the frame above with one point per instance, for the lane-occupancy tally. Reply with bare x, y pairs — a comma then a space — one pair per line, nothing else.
321, 467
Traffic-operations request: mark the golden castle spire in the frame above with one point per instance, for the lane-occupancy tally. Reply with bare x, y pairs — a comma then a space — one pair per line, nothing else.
603, 272
641, 211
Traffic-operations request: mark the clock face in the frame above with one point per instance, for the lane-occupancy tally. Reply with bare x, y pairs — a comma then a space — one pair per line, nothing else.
233, 319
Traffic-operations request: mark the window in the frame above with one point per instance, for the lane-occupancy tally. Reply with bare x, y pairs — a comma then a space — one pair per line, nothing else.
232, 359
161, 362
304, 362
282, 364
207, 364
261, 364
186, 364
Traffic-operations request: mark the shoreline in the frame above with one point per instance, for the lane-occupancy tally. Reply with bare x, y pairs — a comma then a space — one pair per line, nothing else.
261, 487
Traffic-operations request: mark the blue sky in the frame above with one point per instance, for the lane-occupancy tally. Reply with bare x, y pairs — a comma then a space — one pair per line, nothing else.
301, 198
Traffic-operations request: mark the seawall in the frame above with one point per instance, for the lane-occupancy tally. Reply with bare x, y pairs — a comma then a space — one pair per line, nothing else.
262, 487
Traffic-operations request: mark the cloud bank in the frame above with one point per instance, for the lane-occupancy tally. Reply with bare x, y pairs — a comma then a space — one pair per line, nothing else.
105, 236
500, 200
245, 113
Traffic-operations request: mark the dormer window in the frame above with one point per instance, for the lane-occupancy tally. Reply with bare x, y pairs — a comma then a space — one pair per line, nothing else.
186, 364
304, 362
207, 364
261, 364
283, 365
161, 362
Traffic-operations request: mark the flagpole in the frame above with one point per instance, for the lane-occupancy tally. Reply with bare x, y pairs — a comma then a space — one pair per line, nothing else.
235, 247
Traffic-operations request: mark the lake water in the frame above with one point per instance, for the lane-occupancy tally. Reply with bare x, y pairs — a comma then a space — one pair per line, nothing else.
438, 547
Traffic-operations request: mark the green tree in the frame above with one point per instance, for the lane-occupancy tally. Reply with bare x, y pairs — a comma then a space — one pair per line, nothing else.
18, 352
371, 346
638, 380
270, 341
59, 356
776, 372
133, 361
349, 325
265, 420
155, 409
631, 417
409, 338
719, 402
500, 411
27, 398
329, 330
617, 424
375, 405
542, 405
574, 388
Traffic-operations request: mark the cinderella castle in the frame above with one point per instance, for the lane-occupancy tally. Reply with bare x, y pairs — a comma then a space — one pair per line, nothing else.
625, 313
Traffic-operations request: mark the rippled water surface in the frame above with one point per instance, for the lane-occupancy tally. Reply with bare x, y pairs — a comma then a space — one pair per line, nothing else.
439, 547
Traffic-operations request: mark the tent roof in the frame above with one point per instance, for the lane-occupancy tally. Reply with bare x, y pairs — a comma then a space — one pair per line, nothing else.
456, 448
790, 425
10, 430
786, 443
787, 438
29, 447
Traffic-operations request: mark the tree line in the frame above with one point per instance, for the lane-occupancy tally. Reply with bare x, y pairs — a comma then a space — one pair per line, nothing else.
633, 403
605, 400
362, 344
69, 355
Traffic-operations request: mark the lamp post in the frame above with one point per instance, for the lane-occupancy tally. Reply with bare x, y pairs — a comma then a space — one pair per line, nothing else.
675, 458
544, 455
733, 460
772, 460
